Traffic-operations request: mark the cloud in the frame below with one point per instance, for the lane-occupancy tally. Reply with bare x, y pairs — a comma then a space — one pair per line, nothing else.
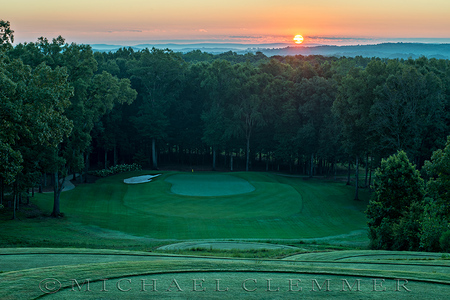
203, 30
125, 30
244, 37
338, 38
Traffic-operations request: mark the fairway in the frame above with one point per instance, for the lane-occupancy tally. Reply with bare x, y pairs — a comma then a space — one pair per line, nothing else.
278, 207
208, 185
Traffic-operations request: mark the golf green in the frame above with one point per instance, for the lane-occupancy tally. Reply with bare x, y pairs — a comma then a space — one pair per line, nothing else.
208, 185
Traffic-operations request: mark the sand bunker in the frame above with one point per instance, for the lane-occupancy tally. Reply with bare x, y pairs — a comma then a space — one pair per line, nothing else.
140, 179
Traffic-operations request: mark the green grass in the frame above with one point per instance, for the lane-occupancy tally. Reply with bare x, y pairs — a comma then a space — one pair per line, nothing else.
430, 280
239, 253
279, 208
314, 215
208, 185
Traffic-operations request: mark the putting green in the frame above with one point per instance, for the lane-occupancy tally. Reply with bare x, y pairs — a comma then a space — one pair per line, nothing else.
210, 185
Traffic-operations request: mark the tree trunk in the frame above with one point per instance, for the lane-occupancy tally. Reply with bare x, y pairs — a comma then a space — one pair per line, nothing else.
248, 155
1, 190
86, 167
214, 158
367, 169
319, 167
106, 159
115, 155
57, 189
334, 169
154, 157
357, 178
225, 159
311, 171
40, 184
14, 205
56, 211
348, 171
14, 199
231, 162
190, 157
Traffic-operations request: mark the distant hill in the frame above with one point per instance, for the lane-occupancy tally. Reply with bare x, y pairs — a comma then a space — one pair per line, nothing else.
214, 48
384, 50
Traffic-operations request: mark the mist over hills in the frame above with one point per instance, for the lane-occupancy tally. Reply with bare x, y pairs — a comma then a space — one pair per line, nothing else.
213, 48
383, 50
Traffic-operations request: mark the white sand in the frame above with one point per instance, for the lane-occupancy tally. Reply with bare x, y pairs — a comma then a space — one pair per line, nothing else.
139, 179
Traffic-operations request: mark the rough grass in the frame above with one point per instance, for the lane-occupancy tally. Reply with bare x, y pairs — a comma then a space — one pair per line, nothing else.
279, 208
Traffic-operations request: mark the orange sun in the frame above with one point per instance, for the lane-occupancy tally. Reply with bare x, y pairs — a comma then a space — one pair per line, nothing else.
298, 39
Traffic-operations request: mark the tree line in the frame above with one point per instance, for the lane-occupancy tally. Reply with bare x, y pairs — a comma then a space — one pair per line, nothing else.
409, 210
66, 109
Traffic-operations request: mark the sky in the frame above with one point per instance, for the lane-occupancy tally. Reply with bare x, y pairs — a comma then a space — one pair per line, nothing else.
131, 22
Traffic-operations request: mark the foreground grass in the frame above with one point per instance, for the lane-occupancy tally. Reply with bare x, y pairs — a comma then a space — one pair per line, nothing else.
279, 208
315, 216
124, 279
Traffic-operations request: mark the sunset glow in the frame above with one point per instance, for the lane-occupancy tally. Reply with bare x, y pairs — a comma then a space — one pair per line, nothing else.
262, 21
298, 39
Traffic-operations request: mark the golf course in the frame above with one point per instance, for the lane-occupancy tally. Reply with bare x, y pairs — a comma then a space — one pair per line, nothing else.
208, 235
214, 206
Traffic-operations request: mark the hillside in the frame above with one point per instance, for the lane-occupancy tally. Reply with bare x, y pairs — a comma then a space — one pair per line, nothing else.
384, 50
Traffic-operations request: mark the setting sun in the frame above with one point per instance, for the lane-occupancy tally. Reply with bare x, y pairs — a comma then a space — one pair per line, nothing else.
298, 39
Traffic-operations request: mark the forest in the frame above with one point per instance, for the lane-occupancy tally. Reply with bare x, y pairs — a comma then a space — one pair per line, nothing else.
66, 109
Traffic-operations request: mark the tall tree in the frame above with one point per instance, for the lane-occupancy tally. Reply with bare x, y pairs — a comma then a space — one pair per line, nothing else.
248, 105
438, 186
6, 35
315, 99
352, 106
157, 77
408, 109
37, 99
219, 83
398, 192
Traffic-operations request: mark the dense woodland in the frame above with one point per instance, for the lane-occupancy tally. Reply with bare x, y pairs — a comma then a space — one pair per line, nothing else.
66, 109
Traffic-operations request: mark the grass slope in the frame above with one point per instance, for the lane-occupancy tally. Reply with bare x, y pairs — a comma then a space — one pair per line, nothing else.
279, 208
